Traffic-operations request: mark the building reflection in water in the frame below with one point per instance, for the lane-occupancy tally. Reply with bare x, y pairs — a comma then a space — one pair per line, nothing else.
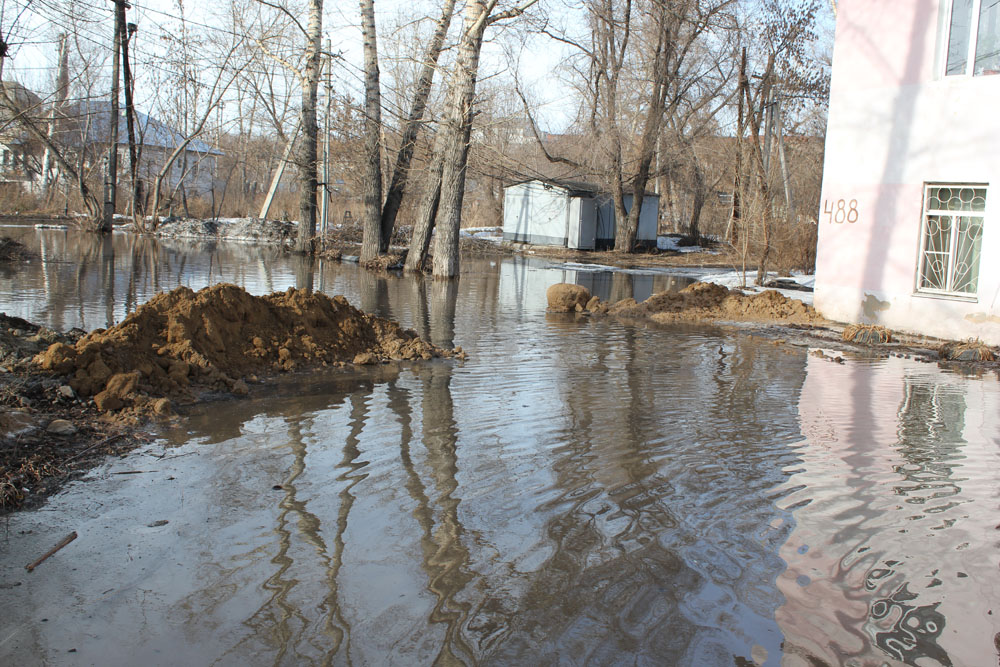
891, 503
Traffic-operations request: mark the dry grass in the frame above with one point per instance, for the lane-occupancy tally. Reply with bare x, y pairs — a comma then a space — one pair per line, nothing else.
970, 350
867, 334
13, 482
11, 250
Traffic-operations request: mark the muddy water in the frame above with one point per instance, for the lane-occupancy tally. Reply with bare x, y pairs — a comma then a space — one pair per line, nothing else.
577, 492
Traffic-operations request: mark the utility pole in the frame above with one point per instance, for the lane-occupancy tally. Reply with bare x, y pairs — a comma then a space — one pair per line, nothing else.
278, 172
130, 115
786, 176
62, 90
111, 176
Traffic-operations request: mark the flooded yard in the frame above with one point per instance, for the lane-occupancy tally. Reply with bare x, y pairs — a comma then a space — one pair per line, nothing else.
576, 492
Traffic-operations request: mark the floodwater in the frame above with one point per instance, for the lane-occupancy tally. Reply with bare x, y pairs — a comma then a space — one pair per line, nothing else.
577, 492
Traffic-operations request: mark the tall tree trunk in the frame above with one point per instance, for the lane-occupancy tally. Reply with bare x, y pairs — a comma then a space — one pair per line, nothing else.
626, 229
618, 190
420, 240
456, 130
371, 216
308, 153
404, 157
700, 194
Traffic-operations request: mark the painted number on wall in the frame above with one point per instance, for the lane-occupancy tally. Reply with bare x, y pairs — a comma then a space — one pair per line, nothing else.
841, 211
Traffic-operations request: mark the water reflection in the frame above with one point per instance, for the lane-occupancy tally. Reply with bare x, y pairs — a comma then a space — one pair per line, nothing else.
614, 286
524, 281
88, 281
578, 492
896, 491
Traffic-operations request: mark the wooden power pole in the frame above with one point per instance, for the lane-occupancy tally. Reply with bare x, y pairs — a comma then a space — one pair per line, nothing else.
133, 158
49, 174
111, 176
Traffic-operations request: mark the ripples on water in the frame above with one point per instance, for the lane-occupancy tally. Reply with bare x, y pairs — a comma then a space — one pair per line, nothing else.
577, 493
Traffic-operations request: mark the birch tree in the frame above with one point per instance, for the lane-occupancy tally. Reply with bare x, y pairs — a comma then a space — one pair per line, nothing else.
371, 222
414, 121
451, 147
307, 70
308, 148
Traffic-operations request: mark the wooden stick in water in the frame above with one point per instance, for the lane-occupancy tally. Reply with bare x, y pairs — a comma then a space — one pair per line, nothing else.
63, 542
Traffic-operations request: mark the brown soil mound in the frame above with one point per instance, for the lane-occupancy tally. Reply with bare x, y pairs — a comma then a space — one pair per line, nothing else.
567, 297
708, 301
214, 338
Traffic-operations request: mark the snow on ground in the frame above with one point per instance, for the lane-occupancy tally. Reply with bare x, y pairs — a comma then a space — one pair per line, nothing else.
597, 268
734, 280
671, 243
494, 234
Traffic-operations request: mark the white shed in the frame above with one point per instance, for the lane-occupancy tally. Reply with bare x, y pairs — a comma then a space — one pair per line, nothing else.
568, 214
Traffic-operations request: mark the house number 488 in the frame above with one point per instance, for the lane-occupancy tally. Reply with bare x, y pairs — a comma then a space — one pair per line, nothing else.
842, 211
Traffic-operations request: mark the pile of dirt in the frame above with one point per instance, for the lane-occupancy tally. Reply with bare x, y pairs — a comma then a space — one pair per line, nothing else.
567, 298
12, 251
710, 302
21, 340
218, 339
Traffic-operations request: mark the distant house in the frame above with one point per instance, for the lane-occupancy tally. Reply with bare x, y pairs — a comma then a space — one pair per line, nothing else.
911, 187
20, 157
85, 127
88, 124
570, 214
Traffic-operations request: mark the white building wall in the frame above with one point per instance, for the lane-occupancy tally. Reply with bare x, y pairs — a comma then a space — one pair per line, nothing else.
895, 124
573, 221
533, 213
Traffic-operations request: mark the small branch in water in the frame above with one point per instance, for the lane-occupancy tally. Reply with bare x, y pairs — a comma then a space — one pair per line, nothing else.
63, 542
95, 445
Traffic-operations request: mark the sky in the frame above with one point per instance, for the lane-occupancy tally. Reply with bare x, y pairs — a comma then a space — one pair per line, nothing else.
34, 53
508, 50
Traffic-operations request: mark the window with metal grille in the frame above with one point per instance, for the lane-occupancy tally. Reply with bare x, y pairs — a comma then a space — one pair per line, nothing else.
951, 241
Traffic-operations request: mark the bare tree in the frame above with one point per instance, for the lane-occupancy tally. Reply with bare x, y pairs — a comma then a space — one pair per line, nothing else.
196, 110
451, 148
371, 222
414, 121
308, 149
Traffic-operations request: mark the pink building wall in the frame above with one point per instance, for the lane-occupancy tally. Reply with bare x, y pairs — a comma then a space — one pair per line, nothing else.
896, 122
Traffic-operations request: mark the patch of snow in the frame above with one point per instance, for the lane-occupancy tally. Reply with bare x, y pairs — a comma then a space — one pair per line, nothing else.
597, 268
670, 243
493, 234
733, 280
